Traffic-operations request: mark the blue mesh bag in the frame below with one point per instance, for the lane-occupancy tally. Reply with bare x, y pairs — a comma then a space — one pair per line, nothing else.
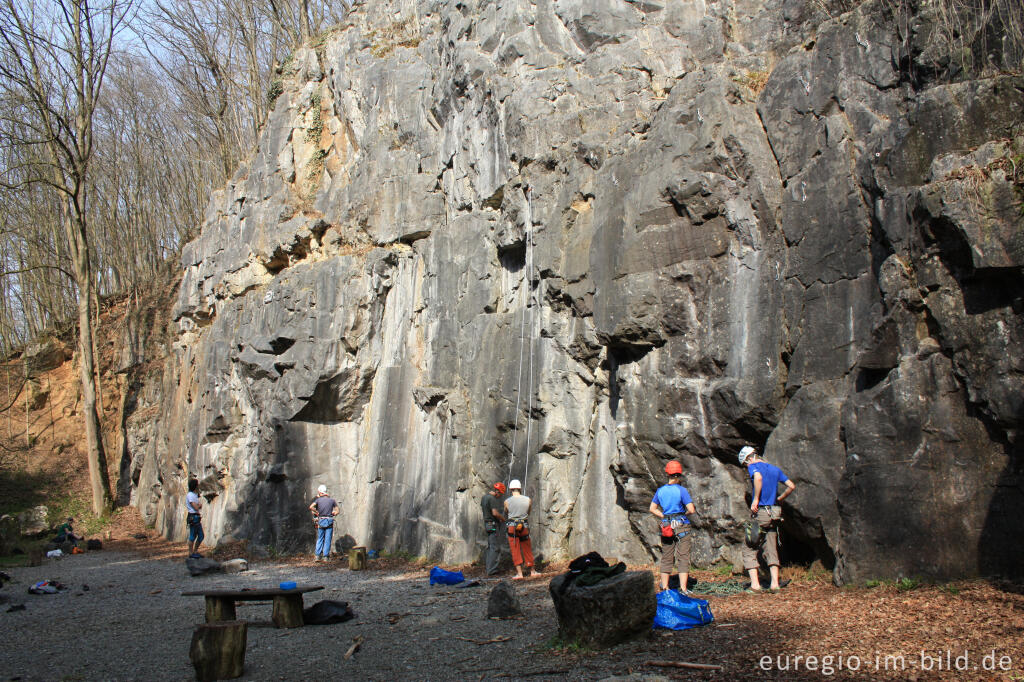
439, 576
676, 611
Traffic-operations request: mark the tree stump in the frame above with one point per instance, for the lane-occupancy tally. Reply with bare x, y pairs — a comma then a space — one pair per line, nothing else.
357, 558
218, 650
288, 610
35, 557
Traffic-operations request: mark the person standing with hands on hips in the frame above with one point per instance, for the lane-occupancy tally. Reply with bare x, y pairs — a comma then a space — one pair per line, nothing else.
324, 510
671, 504
764, 506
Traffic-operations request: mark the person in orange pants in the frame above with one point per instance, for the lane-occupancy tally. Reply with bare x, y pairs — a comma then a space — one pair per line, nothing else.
517, 509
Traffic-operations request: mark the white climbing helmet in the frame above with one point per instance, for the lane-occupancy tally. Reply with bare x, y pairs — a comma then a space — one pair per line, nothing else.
745, 452
514, 484
322, 489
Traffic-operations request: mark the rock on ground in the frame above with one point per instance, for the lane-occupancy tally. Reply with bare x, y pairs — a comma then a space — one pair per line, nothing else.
606, 613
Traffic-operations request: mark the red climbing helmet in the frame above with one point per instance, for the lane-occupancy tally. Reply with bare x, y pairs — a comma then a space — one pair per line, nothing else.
673, 467
500, 487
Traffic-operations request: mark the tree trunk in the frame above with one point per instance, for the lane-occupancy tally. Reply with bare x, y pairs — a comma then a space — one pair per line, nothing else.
99, 479
304, 31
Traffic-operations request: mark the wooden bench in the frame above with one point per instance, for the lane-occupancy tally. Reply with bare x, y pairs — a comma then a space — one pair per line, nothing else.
220, 604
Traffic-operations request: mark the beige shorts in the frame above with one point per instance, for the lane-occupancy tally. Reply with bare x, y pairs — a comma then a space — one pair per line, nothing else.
767, 519
676, 551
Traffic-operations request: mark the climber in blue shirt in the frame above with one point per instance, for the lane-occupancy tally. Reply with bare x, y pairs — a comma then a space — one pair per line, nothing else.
764, 505
671, 504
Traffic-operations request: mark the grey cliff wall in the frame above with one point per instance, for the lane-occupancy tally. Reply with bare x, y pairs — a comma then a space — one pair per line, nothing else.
569, 240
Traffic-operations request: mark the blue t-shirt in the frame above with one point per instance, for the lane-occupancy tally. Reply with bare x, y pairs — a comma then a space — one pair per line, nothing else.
771, 477
672, 498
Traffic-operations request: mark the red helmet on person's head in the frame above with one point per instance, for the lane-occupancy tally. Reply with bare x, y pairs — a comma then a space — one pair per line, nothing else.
673, 467
500, 487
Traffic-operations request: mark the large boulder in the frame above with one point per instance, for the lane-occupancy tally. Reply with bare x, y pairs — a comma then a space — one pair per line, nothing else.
33, 521
202, 566
604, 614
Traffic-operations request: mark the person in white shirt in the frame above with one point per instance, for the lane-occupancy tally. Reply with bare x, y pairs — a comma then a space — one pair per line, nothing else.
194, 520
517, 509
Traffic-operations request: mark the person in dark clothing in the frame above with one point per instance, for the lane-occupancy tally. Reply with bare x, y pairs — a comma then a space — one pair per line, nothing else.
324, 510
65, 533
491, 507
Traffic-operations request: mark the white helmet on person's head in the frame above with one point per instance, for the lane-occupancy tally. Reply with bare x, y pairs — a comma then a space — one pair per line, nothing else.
745, 453
514, 484
322, 490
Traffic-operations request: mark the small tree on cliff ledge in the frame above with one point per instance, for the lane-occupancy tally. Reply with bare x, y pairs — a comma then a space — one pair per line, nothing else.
53, 57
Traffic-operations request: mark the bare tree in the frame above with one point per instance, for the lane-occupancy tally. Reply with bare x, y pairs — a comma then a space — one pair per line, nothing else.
53, 59
220, 55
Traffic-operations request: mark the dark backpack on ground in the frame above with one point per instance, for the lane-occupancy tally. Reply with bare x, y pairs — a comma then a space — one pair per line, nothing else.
327, 612
581, 563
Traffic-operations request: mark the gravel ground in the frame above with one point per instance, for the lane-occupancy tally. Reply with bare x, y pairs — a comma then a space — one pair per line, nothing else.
134, 624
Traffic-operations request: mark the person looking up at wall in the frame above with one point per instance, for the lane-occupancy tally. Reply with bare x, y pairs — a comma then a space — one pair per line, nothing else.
324, 509
517, 509
671, 504
194, 519
491, 506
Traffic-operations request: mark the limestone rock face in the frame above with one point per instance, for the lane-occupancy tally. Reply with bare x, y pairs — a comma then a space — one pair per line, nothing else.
568, 241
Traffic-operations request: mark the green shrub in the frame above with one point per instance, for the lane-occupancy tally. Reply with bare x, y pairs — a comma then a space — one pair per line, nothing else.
907, 584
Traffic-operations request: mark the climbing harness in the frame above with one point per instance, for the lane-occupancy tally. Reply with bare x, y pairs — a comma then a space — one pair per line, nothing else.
673, 525
518, 528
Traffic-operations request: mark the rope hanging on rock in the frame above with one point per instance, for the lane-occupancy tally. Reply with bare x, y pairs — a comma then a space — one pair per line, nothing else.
528, 304
519, 387
532, 307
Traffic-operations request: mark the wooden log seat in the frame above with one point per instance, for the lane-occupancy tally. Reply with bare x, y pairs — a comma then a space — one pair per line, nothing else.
220, 604
218, 650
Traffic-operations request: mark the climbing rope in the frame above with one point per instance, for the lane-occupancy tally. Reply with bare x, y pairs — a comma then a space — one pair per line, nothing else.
528, 304
519, 387
726, 587
532, 307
